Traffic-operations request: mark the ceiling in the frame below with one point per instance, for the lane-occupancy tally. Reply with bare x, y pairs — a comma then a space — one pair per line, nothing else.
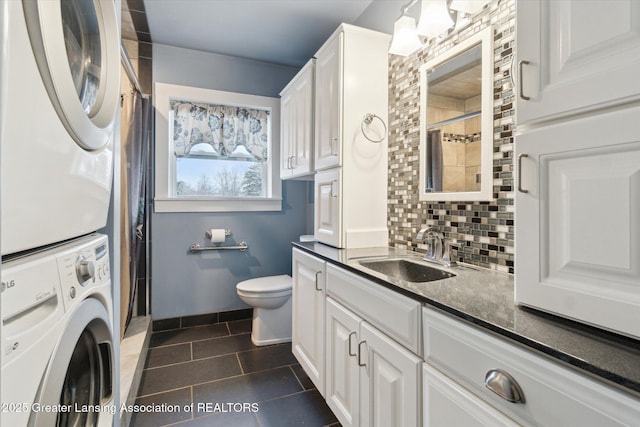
285, 32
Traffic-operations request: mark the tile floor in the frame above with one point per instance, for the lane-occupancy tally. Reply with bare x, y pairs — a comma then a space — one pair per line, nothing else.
216, 368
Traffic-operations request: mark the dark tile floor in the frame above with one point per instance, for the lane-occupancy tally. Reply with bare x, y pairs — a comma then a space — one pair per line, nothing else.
213, 375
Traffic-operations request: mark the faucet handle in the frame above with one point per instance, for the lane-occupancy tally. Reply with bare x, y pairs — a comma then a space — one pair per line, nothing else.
446, 255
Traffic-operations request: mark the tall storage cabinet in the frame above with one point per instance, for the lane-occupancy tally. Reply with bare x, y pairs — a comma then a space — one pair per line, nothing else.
297, 131
578, 199
351, 82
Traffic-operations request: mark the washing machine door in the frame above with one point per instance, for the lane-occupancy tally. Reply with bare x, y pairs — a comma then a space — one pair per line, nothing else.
78, 58
79, 379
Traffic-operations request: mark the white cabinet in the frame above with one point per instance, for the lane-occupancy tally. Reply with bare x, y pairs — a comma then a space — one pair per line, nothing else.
308, 315
343, 376
371, 380
577, 144
328, 209
328, 111
297, 132
352, 81
576, 55
550, 394
389, 381
578, 238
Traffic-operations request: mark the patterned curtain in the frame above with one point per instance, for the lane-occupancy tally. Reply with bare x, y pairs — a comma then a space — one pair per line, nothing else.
222, 127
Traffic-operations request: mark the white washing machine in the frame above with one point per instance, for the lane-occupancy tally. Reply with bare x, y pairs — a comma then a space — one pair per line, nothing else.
59, 96
57, 343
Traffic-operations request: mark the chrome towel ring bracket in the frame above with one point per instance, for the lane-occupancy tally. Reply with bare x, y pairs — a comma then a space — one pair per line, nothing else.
367, 120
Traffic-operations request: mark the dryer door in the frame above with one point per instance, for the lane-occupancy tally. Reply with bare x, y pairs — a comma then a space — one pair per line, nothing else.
76, 47
79, 378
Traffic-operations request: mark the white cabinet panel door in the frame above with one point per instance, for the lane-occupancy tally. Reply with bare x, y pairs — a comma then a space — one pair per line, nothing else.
578, 233
575, 55
328, 97
296, 112
342, 366
328, 186
390, 390
308, 295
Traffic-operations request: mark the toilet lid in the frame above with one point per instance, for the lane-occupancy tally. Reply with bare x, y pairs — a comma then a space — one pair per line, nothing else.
266, 284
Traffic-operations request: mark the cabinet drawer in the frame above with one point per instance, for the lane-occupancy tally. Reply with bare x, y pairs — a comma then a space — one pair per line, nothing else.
554, 395
395, 314
448, 404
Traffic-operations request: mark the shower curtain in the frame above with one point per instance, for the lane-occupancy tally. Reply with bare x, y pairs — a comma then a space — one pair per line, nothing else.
135, 125
434, 161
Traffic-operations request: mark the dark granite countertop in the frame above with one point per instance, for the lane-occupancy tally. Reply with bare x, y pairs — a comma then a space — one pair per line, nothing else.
485, 298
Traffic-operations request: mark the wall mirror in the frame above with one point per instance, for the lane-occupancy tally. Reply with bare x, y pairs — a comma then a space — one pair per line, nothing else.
456, 123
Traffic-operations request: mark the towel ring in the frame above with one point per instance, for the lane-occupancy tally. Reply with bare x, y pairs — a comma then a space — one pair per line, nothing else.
367, 120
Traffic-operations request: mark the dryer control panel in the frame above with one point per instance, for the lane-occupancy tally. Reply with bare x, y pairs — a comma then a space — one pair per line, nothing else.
86, 267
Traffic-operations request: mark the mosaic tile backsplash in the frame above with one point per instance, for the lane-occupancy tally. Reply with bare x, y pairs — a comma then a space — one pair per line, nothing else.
482, 231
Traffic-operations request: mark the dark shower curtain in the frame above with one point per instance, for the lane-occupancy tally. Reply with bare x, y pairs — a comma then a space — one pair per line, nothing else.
134, 153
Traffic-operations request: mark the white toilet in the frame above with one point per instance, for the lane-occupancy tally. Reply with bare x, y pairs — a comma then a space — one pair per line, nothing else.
270, 298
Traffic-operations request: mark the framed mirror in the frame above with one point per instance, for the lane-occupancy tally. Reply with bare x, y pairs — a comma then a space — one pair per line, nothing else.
456, 122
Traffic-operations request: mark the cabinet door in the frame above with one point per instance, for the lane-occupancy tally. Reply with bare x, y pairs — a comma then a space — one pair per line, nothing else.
578, 234
342, 366
308, 295
575, 55
328, 140
302, 142
390, 392
287, 131
328, 206
447, 404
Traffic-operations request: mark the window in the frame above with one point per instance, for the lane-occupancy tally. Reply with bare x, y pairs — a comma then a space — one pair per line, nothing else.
215, 151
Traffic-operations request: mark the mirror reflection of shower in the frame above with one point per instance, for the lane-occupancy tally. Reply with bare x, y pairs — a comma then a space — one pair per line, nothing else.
453, 124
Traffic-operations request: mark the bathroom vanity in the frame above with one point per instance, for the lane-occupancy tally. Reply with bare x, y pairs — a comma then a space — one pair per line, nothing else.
455, 351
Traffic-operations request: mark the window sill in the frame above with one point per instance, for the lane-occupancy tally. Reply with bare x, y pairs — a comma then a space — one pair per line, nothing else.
216, 205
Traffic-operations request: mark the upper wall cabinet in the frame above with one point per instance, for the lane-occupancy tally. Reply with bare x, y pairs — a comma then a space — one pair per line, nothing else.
456, 123
296, 109
576, 55
351, 81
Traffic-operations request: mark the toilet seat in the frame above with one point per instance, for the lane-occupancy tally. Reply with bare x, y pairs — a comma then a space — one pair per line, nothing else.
266, 285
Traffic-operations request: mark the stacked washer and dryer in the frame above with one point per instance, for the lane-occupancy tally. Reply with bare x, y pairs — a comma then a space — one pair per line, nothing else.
58, 103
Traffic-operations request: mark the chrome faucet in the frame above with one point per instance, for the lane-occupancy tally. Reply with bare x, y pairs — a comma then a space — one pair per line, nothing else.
438, 249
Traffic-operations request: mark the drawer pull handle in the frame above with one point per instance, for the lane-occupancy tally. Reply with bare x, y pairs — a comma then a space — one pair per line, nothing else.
521, 65
317, 288
352, 334
360, 353
504, 385
520, 157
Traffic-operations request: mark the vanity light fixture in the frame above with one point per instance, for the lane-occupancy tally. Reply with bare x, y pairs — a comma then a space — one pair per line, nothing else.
405, 37
436, 17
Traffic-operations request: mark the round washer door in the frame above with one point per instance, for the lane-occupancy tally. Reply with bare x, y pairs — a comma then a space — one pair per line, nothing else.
79, 378
77, 49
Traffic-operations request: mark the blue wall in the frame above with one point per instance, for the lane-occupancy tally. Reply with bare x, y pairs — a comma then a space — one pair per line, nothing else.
185, 284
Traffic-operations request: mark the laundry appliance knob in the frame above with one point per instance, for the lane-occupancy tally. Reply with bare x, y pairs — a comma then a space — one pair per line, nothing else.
85, 269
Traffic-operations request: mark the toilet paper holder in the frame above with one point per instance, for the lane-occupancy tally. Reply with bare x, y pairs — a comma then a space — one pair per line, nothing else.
227, 233
197, 248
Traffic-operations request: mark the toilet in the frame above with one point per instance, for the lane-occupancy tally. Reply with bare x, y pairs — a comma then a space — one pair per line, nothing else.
270, 298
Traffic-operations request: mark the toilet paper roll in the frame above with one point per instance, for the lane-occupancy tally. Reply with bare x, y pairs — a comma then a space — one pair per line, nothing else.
218, 235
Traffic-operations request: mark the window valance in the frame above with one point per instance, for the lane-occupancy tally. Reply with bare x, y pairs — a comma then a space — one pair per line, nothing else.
224, 128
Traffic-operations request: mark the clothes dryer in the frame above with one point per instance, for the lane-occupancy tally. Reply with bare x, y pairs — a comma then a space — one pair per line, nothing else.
59, 94
57, 343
